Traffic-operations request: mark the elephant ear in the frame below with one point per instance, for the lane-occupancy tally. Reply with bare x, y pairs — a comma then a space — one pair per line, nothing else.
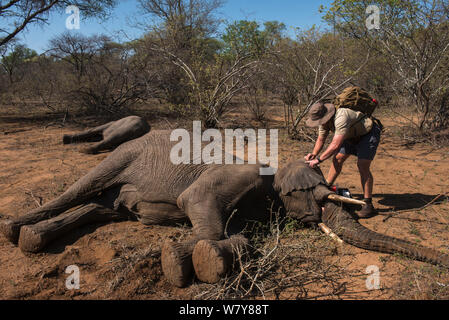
297, 176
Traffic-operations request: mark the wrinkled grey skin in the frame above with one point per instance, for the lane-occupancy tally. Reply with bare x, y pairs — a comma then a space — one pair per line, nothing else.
138, 180
110, 135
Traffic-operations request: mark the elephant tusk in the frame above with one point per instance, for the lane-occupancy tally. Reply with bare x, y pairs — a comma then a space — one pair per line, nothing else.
329, 232
336, 197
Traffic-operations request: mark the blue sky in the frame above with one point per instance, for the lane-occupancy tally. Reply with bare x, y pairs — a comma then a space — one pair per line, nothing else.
294, 13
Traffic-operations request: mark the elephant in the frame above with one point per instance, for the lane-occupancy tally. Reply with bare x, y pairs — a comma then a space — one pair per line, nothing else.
138, 181
110, 135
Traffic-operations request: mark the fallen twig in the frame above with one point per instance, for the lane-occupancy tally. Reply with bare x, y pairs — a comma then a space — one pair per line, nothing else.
30, 193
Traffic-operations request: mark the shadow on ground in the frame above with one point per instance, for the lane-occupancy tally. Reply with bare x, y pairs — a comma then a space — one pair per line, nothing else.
406, 201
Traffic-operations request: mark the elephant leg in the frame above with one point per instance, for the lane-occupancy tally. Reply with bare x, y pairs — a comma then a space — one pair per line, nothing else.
33, 238
208, 203
176, 259
208, 220
108, 143
11, 228
212, 259
102, 177
159, 213
91, 135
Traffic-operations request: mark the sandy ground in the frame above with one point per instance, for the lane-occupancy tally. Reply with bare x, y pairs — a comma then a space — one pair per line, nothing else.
122, 260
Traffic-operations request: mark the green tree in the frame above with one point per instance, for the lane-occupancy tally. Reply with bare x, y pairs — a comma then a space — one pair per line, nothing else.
246, 37
15, 59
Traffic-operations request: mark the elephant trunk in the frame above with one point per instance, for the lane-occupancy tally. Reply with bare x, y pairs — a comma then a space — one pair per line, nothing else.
352, 232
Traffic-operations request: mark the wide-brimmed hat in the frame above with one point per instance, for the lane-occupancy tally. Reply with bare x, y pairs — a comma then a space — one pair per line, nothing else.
320, 113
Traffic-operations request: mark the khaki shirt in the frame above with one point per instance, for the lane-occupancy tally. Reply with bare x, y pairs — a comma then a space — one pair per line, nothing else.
347, 122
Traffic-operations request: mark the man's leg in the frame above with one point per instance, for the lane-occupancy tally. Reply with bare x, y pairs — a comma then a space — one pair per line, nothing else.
337, 165
366, 151
366, 177
367, 182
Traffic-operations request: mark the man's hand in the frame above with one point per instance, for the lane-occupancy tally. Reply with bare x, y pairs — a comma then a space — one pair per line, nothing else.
310, 156
313, 163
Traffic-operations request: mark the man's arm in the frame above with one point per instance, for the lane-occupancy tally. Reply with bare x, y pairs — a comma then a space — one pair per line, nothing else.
333, 148
318, 146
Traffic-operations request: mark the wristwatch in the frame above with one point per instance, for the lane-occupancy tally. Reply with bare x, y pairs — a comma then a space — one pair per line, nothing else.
319, 159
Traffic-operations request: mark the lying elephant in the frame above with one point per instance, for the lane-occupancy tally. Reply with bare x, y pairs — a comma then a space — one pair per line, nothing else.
138, 180
110, 135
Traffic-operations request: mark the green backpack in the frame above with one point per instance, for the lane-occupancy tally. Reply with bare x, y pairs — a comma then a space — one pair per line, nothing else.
357, 99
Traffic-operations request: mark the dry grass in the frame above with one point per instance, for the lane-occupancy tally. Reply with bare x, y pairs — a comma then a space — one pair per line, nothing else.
126, 262
422, 283
140, 264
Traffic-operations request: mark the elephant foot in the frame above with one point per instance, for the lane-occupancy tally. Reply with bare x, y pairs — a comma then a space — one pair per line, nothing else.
67, 139
212, 260
176, 261
30, 240
10, 230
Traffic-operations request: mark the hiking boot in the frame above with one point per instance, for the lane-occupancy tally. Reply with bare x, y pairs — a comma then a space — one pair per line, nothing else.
367, 211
